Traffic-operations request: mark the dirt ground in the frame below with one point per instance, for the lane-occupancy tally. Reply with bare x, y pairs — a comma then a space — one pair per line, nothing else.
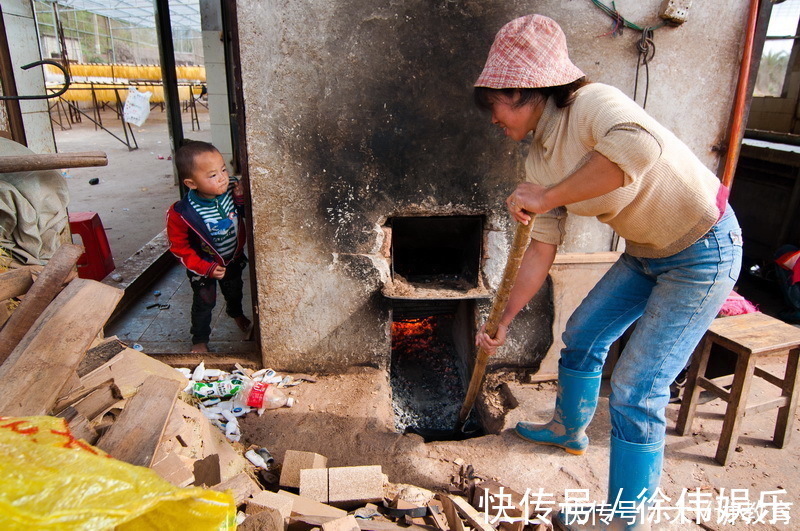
348, 418
136, 187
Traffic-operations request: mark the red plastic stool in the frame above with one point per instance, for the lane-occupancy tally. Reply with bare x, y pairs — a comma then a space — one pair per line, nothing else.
96, 261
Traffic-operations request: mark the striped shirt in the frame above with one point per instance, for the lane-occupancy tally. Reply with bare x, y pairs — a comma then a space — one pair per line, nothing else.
221, 220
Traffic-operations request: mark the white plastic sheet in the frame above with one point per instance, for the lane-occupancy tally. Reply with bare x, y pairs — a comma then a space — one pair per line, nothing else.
137, 107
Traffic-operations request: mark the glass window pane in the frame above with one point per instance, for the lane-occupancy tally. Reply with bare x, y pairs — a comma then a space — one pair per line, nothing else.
775, 58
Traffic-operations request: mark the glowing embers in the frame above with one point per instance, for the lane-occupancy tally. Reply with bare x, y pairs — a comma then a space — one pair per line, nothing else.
428, 374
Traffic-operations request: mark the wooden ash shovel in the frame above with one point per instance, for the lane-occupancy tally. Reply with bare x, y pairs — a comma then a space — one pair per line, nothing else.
522, 238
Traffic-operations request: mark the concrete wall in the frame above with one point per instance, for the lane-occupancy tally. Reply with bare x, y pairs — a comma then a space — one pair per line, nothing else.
358, 110
24, 49
216, 81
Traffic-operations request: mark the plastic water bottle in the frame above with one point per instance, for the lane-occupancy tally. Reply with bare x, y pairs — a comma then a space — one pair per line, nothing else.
220, 389
262, 395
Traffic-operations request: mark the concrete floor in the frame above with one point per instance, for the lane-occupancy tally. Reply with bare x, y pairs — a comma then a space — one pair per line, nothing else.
166, 331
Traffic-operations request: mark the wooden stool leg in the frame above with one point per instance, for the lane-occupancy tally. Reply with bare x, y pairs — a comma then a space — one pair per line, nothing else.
691, 391
737, 405
783, 426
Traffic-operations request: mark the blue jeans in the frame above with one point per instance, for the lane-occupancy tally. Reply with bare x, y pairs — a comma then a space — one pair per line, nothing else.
675, 299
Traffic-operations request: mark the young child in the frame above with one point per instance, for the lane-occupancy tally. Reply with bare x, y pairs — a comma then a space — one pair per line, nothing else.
207, 234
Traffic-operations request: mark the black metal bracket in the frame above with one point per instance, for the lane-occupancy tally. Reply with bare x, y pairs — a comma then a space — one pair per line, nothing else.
44, 96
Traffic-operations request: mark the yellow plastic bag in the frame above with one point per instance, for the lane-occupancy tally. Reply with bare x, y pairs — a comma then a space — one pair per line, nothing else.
50, 480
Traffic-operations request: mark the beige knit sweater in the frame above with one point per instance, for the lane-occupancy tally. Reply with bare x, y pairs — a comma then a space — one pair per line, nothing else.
669, 199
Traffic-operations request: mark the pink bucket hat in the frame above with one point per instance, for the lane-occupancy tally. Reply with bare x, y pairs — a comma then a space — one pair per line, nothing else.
529, 52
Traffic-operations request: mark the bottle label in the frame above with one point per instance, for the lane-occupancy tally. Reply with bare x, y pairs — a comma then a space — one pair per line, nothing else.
218, 389
228, 387
256, 397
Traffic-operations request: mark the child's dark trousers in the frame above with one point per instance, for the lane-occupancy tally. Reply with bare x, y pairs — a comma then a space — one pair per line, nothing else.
205, 298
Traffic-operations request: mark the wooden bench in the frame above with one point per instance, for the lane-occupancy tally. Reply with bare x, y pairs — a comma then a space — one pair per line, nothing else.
749, 337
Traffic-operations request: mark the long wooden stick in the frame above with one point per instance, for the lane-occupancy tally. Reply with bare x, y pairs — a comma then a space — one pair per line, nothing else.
52, 161
43, 290
522, 238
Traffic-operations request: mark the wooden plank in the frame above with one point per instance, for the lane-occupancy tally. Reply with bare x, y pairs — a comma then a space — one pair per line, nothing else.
222, 361
72, 386
197, 438
573, 275
129, 369
52, 161
471, 514
15, 282
140, 271
39, 296
605, 257
453, 520
54, 346
437, 516
98, 402
345, 523
133, 438
754, 332
79, 425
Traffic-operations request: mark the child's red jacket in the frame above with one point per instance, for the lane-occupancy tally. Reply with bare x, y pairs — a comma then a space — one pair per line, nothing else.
190, 241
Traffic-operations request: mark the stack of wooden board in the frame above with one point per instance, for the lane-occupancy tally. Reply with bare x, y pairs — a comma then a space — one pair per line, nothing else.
129, 406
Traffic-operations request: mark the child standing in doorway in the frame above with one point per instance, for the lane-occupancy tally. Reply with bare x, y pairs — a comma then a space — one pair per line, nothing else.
207, 234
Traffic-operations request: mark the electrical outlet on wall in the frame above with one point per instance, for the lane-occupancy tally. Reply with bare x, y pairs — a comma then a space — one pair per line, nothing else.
675, 11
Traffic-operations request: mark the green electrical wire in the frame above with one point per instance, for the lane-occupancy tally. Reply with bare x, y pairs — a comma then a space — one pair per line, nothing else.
613, 13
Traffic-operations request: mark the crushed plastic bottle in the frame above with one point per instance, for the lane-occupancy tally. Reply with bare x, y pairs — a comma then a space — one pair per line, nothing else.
256, 459
232, 430
197, 374
262, 395
224, 388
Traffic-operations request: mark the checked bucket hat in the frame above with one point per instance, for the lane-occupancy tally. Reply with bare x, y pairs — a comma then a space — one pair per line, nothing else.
529, 52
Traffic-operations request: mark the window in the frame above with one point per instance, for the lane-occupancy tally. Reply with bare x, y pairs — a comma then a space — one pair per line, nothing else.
777, 49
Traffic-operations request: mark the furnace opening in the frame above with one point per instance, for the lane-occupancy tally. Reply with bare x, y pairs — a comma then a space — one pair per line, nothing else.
444, 251
431, 341
436, 279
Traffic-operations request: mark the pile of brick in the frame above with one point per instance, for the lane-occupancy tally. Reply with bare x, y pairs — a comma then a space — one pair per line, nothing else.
312, 495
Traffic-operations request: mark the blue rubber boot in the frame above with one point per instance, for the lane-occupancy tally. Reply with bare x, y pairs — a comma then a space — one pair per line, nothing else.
633, 477
575, 405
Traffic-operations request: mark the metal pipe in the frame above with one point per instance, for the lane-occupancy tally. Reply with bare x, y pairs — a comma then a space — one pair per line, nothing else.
740, 100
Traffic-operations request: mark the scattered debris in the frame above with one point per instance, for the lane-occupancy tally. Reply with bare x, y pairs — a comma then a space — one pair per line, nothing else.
184, 424
222, 397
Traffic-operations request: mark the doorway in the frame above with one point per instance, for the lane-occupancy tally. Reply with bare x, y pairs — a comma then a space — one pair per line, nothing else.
177, 52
